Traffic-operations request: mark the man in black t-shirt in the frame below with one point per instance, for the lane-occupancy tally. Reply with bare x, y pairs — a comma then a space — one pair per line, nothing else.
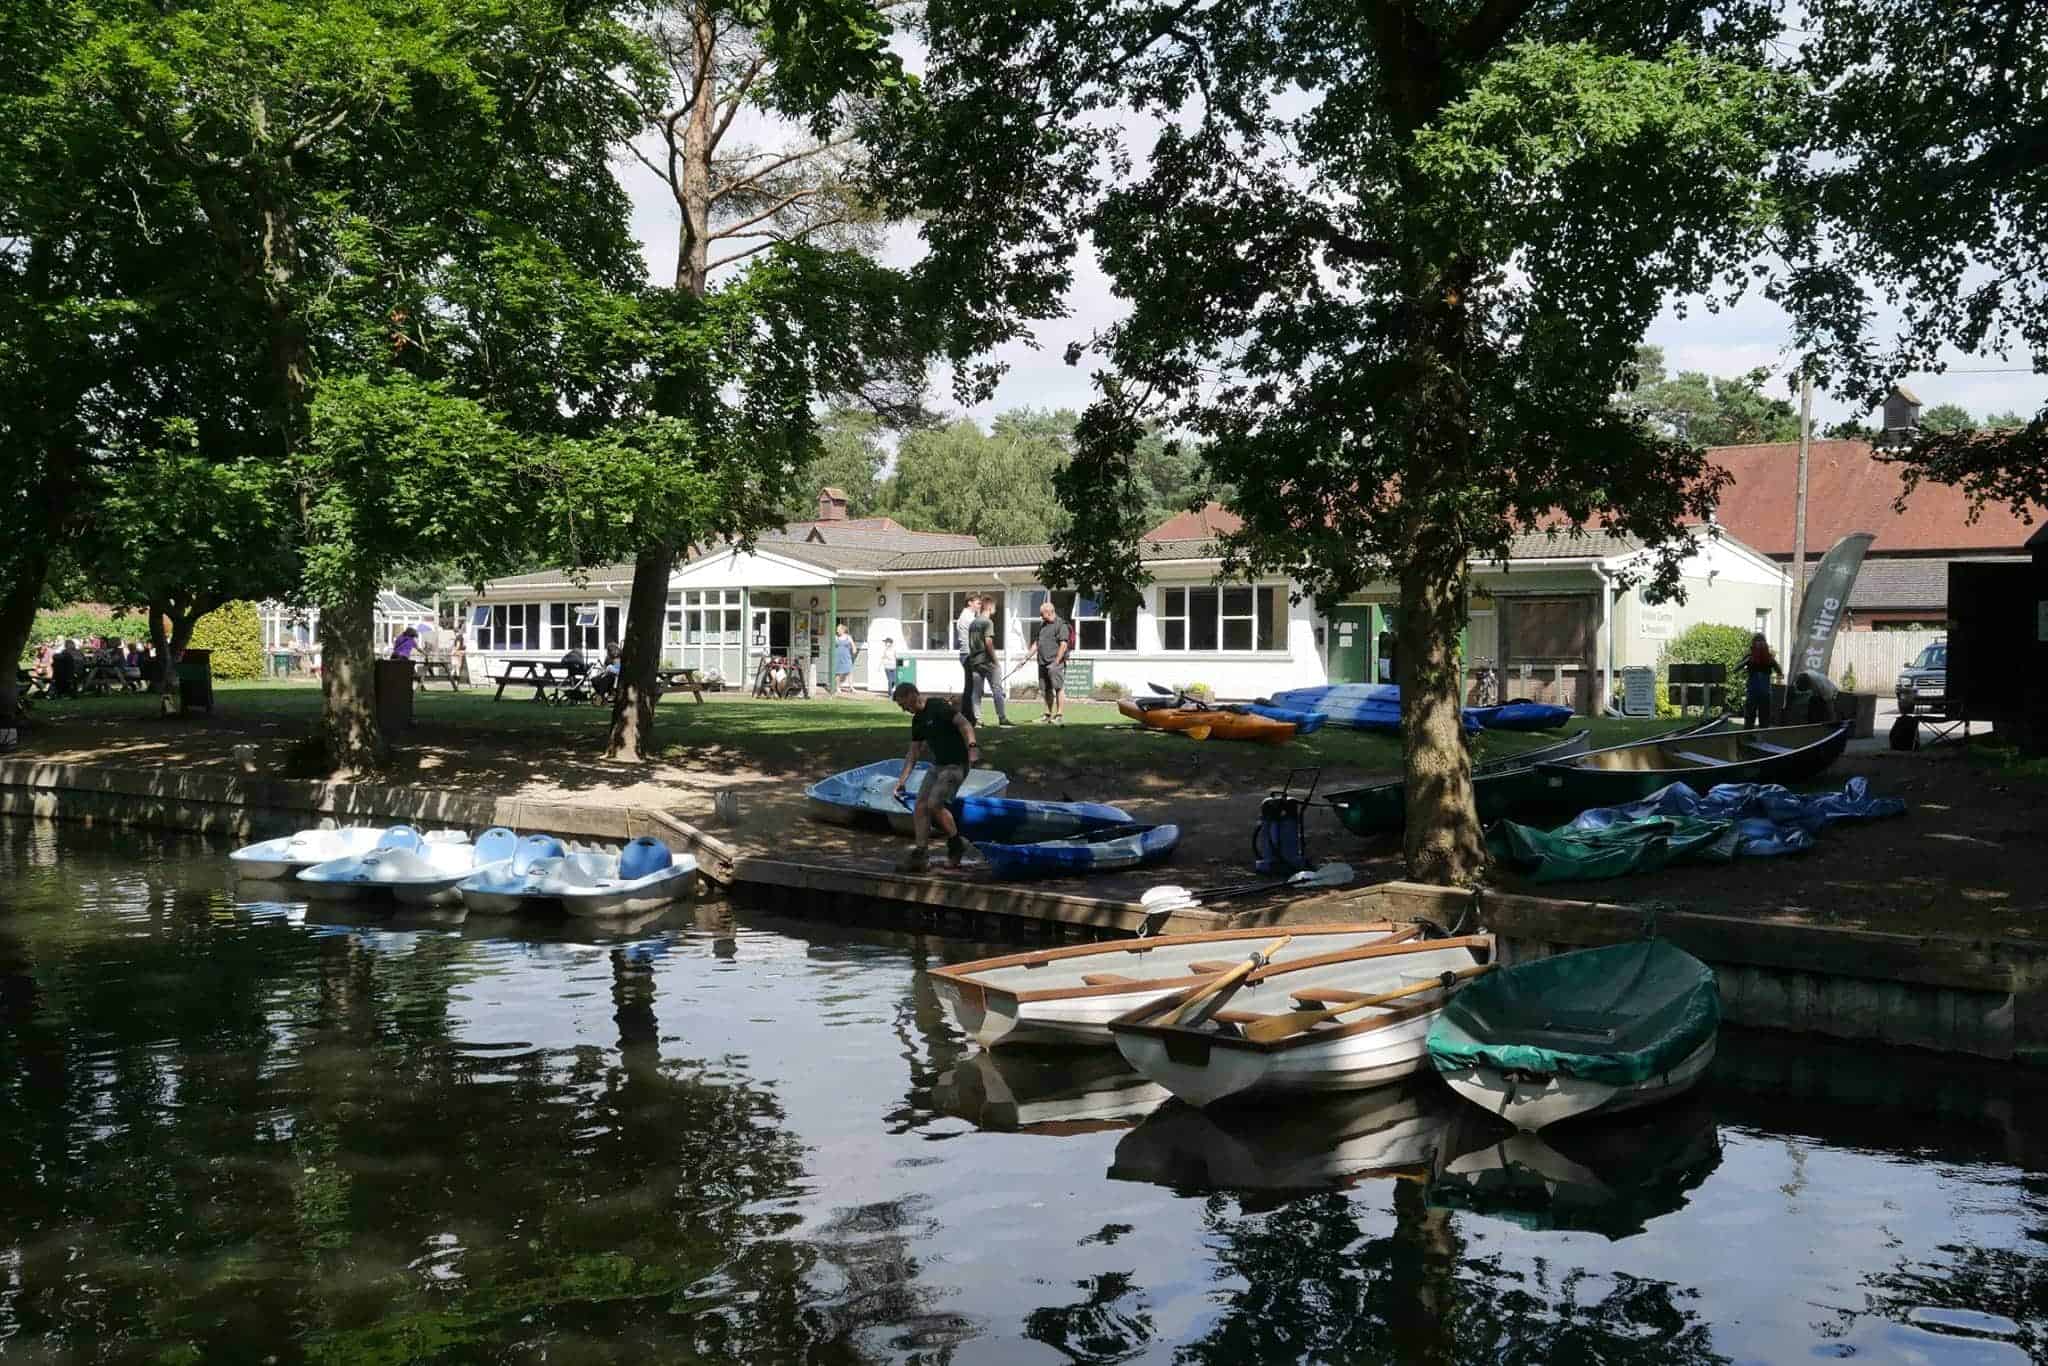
948, 737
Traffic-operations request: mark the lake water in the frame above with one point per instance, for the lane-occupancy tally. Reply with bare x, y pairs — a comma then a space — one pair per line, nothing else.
232, 1130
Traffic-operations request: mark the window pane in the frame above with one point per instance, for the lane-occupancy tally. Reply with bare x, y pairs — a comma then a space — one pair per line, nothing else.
938, 621
1087, 607
1269, 612
557, 612
1173, 634
1237, 633
1176, 602
1237, 602
1094, 635
1202, 618
1123, 631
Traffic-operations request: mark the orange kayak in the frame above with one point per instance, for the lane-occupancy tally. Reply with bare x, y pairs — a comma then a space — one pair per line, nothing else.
1211, 725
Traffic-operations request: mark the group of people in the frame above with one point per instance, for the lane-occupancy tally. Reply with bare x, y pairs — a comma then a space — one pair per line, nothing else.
66, 667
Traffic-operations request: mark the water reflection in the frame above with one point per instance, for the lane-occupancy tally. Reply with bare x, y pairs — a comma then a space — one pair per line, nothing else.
346, 1136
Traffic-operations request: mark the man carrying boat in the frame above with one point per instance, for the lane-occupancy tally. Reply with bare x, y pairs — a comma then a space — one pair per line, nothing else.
935, 729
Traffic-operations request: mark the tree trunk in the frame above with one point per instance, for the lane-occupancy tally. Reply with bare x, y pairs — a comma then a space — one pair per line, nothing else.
348, 681
632, 734
693, 188
1442, 844
17, 620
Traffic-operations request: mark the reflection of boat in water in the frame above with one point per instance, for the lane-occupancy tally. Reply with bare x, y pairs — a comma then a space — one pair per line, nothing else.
1611, 1176
1045, 1092
1392, 1130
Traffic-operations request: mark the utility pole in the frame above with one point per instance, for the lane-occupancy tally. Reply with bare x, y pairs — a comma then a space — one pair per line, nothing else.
1799, 522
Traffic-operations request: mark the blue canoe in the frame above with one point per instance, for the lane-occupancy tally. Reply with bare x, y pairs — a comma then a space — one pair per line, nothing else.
1098, 851
867, 795
1015, 821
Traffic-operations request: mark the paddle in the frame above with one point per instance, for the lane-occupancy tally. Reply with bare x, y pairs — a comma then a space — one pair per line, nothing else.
1333, 874
1228, 980
1276, 1027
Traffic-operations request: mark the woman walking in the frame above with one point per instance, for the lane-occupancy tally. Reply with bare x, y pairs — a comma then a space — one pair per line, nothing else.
1756, 696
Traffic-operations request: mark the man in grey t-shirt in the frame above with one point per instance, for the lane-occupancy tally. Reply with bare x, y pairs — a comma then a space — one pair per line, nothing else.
981, 663
1050, 650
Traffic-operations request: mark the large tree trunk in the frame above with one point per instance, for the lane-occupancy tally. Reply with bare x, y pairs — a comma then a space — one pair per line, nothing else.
632, 733
17, 619
348, 681
1442, 844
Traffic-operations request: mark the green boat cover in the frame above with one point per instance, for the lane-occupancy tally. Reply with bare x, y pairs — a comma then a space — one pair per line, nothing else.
1618, 1015
1567, 854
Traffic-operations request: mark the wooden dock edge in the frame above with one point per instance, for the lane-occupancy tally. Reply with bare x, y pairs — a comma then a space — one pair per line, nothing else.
1987, 997
253, 807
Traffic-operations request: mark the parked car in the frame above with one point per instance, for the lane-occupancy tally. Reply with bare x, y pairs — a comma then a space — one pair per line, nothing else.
1923, 685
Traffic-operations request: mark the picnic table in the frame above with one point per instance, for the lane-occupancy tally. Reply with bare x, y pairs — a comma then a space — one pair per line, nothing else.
782, 677
103, 676
427, 672
669, 680
549, 678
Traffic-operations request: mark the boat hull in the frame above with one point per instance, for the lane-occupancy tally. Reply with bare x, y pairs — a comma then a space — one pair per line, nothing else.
866, 795
1221, 725
282, 859
1099, 852
1212, 1075
1598, 780
1533, 1103
1015, 821
645, 894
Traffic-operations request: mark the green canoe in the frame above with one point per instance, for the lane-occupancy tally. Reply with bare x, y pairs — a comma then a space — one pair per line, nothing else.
1500, 787
1591, 1032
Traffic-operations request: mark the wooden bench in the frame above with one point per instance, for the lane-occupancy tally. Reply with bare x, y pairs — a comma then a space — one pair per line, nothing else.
1107, 979
1709, 760
1767, 747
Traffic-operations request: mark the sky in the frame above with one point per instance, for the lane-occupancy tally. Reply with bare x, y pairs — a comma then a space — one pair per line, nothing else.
1731, 341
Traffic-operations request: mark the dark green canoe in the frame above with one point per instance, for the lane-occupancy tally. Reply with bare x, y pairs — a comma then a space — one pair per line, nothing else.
1628, 773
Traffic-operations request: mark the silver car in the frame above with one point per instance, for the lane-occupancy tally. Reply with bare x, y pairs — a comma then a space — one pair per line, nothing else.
1923, 684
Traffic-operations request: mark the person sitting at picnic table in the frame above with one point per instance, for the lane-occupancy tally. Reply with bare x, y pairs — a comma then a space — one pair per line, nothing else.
407, 642
608, 677
935, 729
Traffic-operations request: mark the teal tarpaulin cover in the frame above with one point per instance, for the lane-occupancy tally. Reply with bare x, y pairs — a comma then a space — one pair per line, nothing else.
1617, 1015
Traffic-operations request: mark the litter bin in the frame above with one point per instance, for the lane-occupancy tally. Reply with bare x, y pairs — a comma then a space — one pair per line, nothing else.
394, 695
906, 669
195, 681
280, 663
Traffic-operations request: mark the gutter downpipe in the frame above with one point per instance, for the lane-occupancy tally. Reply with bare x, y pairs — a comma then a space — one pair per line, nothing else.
1606, 704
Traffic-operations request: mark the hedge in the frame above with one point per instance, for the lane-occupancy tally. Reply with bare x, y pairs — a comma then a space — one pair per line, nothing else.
235, 635
1708, 643
73, 623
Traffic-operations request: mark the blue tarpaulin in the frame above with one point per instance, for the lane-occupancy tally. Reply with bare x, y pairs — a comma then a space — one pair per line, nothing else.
1676, 823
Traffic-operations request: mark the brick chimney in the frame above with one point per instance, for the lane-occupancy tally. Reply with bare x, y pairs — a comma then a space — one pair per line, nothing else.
831, 505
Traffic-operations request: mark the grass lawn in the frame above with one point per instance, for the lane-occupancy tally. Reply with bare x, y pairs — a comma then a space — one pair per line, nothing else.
738, 731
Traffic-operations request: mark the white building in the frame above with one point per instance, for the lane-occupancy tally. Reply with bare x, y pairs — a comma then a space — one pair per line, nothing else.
295, 630
1553, 619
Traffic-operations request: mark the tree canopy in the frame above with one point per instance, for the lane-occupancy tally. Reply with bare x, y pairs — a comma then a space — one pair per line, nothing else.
1696, 407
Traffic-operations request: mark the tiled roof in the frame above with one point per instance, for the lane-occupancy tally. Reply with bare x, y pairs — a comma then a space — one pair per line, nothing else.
1031, 556
1849, 489
1211, 519
603, 576
1906, 583
1569, 545
835, 530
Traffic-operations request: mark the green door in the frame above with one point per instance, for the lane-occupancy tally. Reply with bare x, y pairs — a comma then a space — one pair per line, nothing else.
1350, 645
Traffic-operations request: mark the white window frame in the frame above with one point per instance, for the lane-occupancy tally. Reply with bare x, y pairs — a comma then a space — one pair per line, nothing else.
1186, 618
1079, 622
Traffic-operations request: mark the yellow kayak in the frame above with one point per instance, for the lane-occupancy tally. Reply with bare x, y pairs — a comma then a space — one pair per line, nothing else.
1204, 724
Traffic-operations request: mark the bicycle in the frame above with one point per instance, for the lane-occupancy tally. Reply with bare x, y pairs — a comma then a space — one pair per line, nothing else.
1485, 686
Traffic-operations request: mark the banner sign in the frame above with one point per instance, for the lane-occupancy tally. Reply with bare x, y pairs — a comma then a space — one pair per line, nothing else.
1826, 600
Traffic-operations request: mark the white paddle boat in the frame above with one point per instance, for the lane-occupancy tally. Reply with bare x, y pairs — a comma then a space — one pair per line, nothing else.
417, 872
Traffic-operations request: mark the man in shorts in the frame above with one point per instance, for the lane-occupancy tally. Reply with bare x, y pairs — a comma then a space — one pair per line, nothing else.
936, 729
1050, 650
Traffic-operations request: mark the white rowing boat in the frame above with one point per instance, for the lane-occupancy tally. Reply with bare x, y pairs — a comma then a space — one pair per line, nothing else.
1070, 995
1330, 1038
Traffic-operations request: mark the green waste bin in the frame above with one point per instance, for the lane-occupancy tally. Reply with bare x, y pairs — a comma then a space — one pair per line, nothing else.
280, 663
195, 681
906, 669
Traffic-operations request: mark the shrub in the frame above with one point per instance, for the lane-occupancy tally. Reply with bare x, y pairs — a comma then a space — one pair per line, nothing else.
1849, 679
1109, 690
235, 635
1708, 643
1201, 692
75, 623
1665, 707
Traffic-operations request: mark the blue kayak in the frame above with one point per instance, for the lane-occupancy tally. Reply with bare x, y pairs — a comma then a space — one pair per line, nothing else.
1015, 821
1377, 706
867, 795
1304, 722
1098, 851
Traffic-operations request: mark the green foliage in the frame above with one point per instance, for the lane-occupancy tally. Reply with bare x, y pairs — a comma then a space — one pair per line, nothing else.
234, 632
1849, 679
1201, 692
1947, 417
1709, 643
1710, 412
850, 458
1109, 690
997, 485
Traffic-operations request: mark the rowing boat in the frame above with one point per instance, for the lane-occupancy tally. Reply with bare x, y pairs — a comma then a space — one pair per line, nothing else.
1069, 995
1592, 1032
1207, 723
1220, 1058
1016, 821
1787, 755
1499, 786
1095, 851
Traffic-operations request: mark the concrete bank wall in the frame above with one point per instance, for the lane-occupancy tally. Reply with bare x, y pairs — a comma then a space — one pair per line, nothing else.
257, 808
1988, 998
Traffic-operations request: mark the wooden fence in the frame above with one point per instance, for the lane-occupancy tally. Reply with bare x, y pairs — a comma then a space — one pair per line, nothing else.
1877, 656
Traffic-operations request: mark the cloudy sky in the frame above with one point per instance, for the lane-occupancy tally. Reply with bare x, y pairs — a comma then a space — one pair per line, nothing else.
1729, 342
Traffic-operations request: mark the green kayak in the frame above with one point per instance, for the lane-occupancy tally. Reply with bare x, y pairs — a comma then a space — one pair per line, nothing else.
1596, 1031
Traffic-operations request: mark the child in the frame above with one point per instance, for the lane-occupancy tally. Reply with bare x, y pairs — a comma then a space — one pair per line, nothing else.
888, 664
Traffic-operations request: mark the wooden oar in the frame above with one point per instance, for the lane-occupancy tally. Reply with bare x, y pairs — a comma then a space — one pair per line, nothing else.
1276, 1027
1229, 980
